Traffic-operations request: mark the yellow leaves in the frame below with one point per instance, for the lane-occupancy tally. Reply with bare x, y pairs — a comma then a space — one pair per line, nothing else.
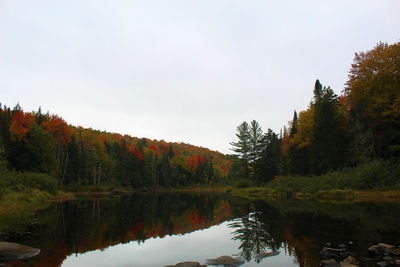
304, 126
374, 82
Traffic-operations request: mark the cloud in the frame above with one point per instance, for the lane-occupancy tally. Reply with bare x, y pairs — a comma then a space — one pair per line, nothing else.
179, 70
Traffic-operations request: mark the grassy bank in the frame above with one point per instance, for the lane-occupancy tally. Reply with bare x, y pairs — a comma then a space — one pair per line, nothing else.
335, 195
377, 180
26, 191
373, 181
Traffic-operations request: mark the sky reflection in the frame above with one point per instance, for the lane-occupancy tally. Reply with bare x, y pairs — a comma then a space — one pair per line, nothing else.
197, 246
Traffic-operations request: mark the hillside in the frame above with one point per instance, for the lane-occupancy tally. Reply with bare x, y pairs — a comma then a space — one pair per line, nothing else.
73, 156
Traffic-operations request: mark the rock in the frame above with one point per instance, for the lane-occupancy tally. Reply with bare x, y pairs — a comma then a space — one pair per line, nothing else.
331, 252
374, 250
266, 254
386, 247
329, 263
380, 248
351, 243
225, 260
396, 251
346, 264
382, 263
387, 258
12, 251
186, 264
342, 246
328, 244
351, 260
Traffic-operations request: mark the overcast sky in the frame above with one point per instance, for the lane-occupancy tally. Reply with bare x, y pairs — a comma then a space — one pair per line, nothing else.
180, 70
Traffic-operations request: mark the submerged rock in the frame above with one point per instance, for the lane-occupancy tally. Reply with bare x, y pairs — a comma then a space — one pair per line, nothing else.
386, 247
331, 252
226, 260
387, 258
380, 248
187, 264
13, 251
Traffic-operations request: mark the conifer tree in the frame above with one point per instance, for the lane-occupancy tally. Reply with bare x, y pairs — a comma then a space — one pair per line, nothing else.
328, 140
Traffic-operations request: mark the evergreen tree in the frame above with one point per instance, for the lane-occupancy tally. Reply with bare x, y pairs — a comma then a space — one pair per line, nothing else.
296, 157
328, 140
242, 147
256, 144
270, 162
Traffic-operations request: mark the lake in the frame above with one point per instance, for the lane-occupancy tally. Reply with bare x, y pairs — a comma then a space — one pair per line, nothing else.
165, 229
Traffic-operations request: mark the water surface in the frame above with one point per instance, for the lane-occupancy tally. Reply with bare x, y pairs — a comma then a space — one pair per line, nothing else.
162, 229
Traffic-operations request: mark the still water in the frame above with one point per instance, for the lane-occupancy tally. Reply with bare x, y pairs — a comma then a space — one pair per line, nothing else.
165, 229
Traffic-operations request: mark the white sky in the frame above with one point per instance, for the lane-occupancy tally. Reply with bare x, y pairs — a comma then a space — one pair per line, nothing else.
179, 70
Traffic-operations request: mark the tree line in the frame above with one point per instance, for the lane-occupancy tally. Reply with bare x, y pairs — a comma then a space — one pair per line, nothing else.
336, 131
74, 156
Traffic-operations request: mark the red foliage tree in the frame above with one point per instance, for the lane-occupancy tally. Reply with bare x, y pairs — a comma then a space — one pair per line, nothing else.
20, 125
59, 129
193, 161
153, 147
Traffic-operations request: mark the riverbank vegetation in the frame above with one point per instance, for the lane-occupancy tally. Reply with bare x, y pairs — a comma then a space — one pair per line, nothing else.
341, 142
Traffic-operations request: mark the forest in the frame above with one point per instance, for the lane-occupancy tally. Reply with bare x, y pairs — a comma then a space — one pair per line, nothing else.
45, 152
342, 135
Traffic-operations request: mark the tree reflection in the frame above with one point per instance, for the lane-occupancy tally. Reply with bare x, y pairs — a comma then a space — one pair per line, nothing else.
255, 232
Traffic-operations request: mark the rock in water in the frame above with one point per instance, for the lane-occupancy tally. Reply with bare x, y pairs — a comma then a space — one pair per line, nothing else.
331, 252
12, 251
346, 264
386, 247
226, 260
351, 260
186, 264
396, 251
329, 263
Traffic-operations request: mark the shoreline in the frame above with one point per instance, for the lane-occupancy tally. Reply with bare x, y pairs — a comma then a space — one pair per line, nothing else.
36, 199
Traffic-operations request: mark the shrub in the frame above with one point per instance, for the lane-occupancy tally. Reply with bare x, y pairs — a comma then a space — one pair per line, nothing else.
376, 174
242, 183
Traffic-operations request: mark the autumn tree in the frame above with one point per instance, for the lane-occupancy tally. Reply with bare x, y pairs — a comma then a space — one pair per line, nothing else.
294, 157
30, 147
297, 156
374, 101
